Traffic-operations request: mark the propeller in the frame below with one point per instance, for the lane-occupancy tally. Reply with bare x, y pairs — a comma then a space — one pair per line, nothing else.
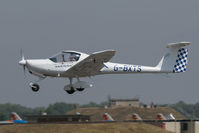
23, 61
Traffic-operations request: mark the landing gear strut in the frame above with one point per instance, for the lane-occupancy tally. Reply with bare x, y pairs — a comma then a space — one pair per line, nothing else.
72, 89
34, 86
80, 88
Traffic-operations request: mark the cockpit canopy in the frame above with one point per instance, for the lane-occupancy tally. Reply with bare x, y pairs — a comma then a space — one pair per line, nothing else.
65, 57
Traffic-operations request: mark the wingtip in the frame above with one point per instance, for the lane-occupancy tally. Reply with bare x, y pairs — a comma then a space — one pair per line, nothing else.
110, 50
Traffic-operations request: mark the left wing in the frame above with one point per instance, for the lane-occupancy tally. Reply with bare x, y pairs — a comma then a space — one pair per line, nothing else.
91, 65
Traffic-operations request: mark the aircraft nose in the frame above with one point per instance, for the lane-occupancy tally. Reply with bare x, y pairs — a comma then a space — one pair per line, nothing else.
36, 64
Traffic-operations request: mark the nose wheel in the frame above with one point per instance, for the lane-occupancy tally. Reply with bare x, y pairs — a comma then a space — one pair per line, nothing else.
80, 89
35, 87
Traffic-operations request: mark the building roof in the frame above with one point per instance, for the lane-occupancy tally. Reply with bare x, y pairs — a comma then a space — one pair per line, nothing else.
56, 116
125, 113
124, 100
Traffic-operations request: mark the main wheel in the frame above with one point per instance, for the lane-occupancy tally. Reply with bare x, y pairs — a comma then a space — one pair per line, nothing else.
80, 89
35, 87
71, 91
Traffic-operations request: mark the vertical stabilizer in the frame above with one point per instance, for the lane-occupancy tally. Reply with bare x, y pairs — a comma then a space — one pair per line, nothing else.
107, 117
170, 117
175, 60
15, 116
160, 116
136, 117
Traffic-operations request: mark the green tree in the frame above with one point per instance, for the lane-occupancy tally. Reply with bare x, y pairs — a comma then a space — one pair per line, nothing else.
60, 108
2, 117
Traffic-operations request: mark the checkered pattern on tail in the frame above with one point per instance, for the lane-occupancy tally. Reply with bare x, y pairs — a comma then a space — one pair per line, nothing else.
181, 61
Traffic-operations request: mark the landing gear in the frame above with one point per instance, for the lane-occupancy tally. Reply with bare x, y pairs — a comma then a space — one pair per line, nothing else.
80, 89
71, 91
77, 86
69, 88
35, 87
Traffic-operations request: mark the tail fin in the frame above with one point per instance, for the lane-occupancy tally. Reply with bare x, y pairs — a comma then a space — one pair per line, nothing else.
15, 116
176, 59
136, 117
170, 117
160, 117
107, 117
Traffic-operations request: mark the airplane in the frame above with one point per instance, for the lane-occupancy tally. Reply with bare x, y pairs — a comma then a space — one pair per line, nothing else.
15, 119
170, 116
136, 117
73, 64
107, 117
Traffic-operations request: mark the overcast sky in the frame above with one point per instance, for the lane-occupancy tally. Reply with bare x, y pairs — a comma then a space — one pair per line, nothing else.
137, 30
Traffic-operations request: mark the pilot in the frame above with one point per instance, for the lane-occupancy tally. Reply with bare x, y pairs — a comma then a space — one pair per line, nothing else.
74, 57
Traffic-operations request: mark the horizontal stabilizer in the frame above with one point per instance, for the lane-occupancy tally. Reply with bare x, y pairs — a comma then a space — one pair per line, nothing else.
178, 45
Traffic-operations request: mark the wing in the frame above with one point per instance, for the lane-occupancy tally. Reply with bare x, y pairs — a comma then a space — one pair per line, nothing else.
91, 65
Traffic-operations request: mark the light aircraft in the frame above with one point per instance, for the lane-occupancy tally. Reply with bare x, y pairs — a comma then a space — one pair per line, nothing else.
15, 119
73, 64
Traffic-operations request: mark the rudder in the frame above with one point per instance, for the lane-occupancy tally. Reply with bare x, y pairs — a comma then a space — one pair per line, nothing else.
181, 61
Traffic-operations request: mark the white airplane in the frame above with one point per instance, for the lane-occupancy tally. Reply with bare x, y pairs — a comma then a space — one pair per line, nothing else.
73, 64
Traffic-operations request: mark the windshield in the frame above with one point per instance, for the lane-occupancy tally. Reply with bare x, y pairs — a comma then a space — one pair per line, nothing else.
65, 57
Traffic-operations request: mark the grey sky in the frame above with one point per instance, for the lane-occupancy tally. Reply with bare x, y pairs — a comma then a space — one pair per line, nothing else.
137, 30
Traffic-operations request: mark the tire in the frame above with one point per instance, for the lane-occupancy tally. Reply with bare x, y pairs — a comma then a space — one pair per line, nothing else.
71, 91
80, 89
35, 87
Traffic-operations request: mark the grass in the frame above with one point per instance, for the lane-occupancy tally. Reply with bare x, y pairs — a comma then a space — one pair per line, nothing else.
82, 128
